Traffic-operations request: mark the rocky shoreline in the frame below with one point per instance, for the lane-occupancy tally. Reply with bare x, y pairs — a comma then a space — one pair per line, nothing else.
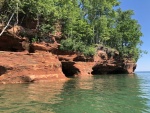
24, 62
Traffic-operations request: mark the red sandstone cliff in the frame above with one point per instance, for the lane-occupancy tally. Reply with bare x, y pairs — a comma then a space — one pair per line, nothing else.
46, 62
20, 67
74, 65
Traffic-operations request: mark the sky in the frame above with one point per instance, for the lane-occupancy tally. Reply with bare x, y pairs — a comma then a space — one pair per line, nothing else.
141, 10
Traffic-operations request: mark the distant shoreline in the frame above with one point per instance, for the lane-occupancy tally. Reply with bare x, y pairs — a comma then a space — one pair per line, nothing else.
142, 72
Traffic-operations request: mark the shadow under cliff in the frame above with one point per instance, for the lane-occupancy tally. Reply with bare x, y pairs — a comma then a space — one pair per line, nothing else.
69, 69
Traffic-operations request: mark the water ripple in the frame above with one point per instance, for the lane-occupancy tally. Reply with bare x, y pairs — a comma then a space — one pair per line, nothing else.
98, 94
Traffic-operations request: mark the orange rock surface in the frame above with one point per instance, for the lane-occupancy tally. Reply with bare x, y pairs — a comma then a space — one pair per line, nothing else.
22, 61
21, 67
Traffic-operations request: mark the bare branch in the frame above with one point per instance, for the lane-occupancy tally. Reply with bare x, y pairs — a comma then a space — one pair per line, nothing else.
7, 24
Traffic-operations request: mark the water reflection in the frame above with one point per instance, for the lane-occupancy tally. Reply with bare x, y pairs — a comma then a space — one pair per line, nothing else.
97, 94
113, 93
29, 97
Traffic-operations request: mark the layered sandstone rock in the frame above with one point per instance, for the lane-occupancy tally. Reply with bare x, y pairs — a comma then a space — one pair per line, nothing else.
21, 67
78, 65
112, 65
22, 61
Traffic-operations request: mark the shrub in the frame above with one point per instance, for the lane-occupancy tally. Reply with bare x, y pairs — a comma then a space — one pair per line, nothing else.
76, 46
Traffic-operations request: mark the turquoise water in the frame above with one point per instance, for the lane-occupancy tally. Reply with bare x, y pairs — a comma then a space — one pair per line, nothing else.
97, 94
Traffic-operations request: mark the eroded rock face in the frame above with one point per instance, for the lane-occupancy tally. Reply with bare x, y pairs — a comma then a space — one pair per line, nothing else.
21, 67
77, 65
9, 43
112, 65
22, 61
76, 69
12, 40
43, 61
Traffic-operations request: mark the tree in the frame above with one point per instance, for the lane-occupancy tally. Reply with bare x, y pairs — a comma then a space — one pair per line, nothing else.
128, 34
98, 12
83, 23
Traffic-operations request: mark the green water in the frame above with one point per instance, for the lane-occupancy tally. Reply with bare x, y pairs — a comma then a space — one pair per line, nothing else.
97, 94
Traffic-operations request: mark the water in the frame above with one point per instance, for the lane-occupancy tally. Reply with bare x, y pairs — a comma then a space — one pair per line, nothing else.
97, 94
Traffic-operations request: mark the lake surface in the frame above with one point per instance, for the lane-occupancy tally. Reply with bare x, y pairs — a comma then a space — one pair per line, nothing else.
97, 94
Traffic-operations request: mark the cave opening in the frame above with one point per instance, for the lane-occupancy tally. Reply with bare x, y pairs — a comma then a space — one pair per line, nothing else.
2, 70
69, 69
118, 71
108, 70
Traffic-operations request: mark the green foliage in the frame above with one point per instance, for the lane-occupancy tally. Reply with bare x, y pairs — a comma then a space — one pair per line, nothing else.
83, 23
89, 51
127, 35
75, 46
35, 39
1, 3
67, 44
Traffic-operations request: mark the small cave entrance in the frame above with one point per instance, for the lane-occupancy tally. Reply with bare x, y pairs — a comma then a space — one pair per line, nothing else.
69, 69
2, 70
99, 70
108, 70
118, 71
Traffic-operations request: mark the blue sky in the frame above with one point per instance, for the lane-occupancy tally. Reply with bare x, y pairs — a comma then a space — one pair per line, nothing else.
141, 9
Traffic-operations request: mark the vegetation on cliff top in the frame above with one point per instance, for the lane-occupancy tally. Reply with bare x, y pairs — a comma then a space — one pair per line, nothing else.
82, 23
